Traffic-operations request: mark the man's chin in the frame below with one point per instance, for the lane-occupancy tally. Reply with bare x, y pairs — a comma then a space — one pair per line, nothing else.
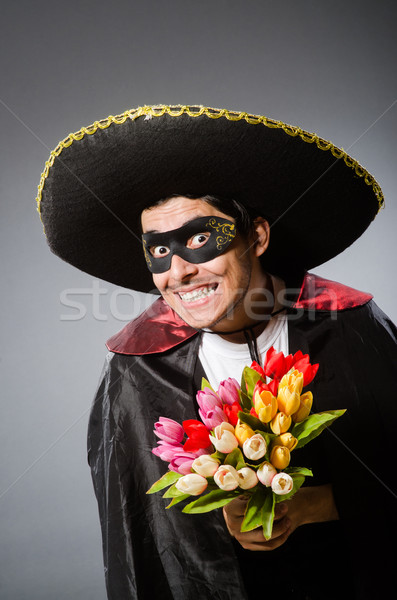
215, 323
207, 317
197, 322
195, 318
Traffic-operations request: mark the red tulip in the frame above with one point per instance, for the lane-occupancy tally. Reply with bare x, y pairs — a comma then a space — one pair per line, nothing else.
231, 411
276, 364
258, 369
271, 387
298, 355
198, 436
309, 371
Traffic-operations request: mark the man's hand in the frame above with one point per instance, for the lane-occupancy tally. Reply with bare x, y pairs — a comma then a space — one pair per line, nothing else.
254, 540
309, 505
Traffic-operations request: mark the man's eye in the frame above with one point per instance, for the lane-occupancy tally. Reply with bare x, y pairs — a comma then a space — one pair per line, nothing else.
159, 251
198, 240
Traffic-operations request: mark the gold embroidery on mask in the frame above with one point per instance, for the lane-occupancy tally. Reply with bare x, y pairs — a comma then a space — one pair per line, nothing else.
227, 229
146, 253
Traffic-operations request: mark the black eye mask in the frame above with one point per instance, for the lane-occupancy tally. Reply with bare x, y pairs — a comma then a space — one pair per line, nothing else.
222, 232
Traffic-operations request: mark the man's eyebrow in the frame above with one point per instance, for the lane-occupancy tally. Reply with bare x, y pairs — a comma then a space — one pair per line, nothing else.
183, 225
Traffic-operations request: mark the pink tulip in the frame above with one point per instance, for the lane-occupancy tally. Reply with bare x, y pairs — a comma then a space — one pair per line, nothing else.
207, 400
228, 391
167, 451
210, 410
213, 418
169, 430
182, 462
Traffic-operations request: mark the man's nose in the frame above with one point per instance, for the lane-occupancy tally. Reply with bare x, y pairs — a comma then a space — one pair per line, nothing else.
181, 269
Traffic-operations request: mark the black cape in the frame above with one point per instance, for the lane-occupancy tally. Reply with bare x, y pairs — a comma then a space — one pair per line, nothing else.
151, 553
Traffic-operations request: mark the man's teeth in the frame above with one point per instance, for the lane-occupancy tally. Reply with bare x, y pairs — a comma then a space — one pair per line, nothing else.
197, 294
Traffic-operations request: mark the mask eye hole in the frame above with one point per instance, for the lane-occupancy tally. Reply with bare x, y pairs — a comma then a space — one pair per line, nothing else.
198, 240
159, 251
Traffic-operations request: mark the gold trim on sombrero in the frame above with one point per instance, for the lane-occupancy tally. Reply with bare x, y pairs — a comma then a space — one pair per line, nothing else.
213, 113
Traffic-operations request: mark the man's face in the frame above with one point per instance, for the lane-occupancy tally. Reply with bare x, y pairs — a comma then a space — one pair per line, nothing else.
209, 294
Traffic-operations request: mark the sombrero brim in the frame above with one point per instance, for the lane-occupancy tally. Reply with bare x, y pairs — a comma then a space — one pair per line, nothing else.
98, 180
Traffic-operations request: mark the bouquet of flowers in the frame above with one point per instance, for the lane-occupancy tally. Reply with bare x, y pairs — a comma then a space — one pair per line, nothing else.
244, 442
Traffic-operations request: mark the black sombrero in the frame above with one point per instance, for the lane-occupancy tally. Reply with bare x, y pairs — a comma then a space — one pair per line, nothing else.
98, 180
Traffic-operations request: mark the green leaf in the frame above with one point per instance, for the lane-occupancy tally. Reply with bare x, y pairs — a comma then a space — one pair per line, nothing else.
313, 425
176, 500
252, 421
235, 458
299, 471
168, 479
245, 401
251, 378
241, 463
210, 501
298, 482
268, 437
243, 385
173, 492
219, 456
206, 384
253, 512
268, 513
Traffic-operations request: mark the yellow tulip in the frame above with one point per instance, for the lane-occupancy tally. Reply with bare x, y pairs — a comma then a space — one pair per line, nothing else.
293, 379
288, 400
265, 405
289, 392
243, 432
306, 401
280, 457
281, 423
285, 439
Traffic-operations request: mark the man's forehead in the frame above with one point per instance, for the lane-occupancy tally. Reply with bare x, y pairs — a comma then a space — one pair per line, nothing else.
175, 213
209, 223
188, 221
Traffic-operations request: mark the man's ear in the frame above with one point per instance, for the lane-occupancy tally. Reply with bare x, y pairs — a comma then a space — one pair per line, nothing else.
261, 235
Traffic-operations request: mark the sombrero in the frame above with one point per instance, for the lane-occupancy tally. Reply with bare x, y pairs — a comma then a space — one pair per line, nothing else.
97, 181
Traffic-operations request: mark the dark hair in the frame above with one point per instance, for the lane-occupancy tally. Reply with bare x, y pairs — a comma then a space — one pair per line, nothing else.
243, 216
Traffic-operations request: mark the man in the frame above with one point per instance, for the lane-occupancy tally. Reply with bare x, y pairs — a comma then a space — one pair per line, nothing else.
233, 279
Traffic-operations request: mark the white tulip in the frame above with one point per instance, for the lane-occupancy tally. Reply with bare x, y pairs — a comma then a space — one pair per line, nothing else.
265, 473
282, 483
191, 484
226, 478
205, 465
255, 447
224, 439
247, 478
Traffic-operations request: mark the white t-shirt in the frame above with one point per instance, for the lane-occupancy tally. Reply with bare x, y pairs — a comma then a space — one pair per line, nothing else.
222, 359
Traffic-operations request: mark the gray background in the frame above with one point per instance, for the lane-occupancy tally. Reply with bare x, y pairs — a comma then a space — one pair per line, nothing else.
328, 67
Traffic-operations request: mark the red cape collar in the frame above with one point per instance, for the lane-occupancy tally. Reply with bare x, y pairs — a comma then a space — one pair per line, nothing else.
159, 328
